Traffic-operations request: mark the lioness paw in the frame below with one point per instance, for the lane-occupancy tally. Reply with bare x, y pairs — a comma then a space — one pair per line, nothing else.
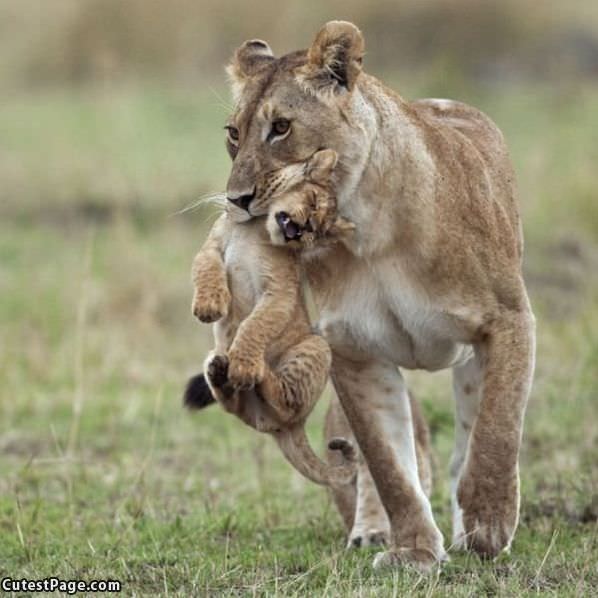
367, 538
490, 511
421, 559
245, 371
210, 305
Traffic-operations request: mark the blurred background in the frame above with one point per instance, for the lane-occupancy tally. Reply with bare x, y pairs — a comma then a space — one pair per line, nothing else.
111, 116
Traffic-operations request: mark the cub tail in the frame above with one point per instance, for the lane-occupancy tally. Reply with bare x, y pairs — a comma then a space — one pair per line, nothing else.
295, 447
197, 393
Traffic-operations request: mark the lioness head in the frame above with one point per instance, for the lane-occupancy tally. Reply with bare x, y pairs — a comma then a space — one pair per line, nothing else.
287, 109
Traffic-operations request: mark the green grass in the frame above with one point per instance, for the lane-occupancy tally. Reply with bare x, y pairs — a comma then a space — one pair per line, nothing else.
102, 474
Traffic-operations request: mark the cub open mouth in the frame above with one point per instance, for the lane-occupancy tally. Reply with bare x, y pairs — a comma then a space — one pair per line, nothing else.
290, 229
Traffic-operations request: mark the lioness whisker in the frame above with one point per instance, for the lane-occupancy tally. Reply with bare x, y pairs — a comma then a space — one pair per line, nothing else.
217, 198
222, 103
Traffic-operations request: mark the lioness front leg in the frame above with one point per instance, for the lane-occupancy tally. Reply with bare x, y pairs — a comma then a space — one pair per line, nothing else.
359, 504
488, 491
376, 402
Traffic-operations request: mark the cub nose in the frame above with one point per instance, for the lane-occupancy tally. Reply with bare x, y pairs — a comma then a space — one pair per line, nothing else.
242, 200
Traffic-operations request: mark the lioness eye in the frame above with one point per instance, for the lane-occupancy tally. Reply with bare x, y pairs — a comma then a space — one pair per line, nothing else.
280, 126
233, 134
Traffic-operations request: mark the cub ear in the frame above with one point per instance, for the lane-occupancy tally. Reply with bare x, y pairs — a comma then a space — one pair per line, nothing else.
248, 60
334, 59
320, 166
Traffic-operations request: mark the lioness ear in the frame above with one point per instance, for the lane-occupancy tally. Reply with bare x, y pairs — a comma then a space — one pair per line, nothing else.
248, 60
334, 59
320, 166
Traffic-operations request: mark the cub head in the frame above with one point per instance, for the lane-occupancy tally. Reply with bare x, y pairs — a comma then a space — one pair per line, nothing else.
288, 108
299, 215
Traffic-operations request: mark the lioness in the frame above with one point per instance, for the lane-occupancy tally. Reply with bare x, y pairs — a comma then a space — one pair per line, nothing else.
267, 367
430, 279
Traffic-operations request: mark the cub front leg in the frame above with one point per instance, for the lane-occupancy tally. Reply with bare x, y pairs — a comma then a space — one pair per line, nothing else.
210, 301
267, 321
488, 490
211, 297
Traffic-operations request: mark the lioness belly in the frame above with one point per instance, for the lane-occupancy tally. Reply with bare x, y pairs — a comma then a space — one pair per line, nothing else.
374, 314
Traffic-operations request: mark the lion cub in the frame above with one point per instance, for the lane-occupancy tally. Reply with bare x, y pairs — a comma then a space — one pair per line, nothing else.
268, 367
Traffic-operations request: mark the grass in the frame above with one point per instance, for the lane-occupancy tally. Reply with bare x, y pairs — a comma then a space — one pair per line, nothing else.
102, 475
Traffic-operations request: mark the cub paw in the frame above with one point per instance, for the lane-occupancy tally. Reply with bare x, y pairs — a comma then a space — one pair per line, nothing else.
341, 229
345, 447
210, 305
245, 371
490, 512
217, 370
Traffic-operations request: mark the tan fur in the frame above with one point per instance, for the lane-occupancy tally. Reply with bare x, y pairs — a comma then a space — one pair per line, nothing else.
313, 210
431, 277
268, 368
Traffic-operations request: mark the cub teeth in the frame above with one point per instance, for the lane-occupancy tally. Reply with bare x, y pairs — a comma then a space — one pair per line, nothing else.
290, 229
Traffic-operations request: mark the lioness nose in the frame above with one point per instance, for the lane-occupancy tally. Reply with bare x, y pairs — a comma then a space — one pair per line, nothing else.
242, 200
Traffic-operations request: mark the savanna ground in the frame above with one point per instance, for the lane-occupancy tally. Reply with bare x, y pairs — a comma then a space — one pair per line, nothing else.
102, 473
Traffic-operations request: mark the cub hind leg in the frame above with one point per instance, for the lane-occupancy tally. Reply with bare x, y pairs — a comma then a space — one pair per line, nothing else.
216, 375
294, 385
285, 396
245, 404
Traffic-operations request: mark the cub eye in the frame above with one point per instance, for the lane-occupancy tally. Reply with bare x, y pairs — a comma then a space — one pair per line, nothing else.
233, 134
280, 127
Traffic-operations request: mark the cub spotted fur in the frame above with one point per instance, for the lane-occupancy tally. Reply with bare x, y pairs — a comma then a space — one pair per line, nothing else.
268, 368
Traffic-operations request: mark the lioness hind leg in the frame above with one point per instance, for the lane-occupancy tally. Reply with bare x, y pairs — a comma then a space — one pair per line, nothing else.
292, 388
488, 490
372, 526
336, 425
467, 380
